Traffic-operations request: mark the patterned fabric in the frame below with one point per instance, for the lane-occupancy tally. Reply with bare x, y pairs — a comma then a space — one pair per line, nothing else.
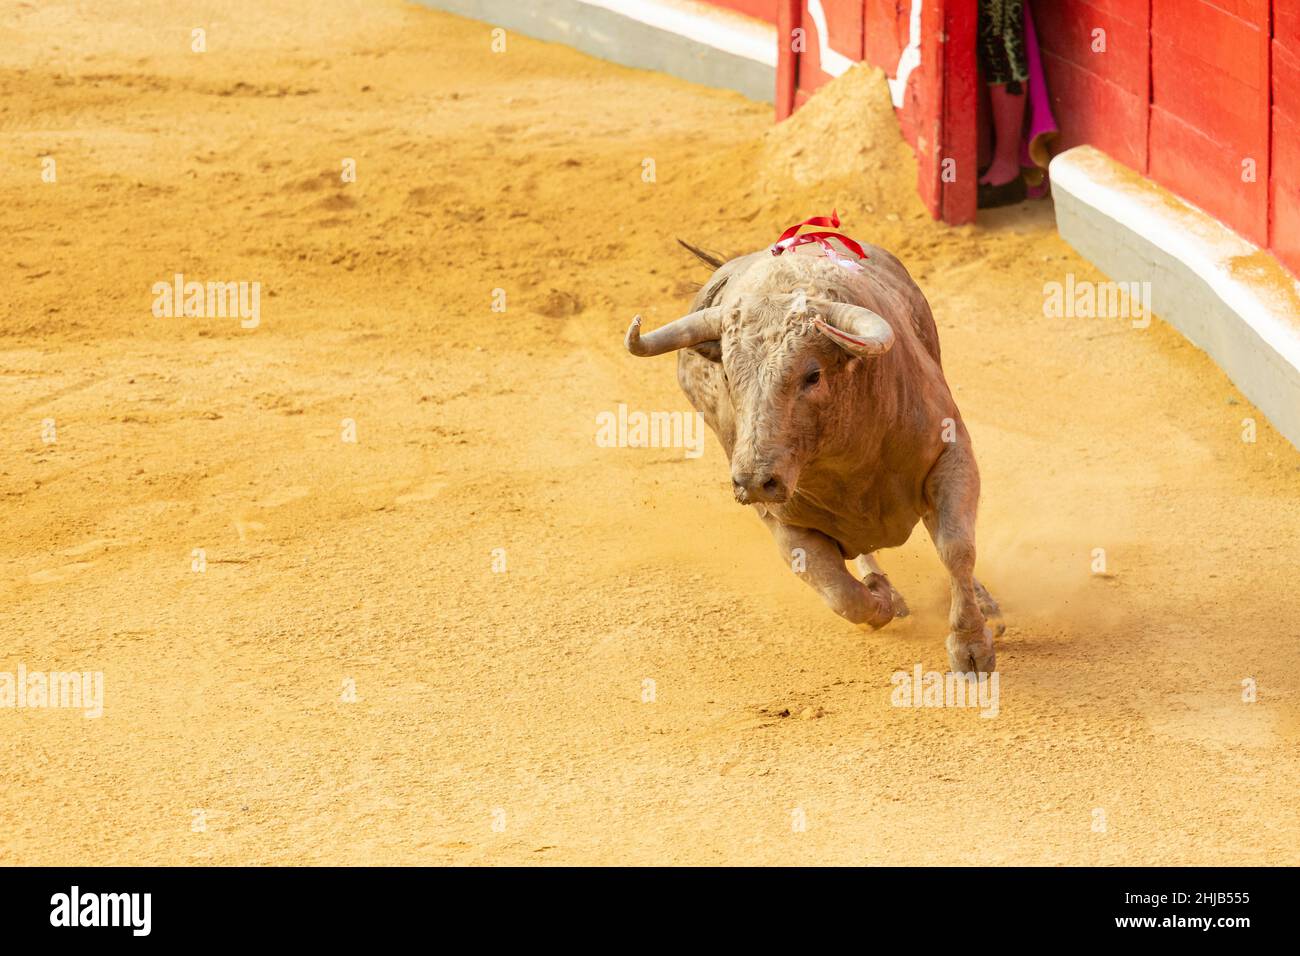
1002, 44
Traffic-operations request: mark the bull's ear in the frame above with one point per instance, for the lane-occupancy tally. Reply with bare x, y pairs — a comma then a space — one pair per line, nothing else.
711, 350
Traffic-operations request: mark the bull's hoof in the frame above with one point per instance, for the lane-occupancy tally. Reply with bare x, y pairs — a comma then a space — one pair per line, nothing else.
878, 583
968, 653
887, 601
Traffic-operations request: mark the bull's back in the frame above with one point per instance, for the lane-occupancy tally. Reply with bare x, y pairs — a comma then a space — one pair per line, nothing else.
898, 291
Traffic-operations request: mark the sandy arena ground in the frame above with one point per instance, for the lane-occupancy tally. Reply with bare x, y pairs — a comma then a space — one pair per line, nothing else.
499, 716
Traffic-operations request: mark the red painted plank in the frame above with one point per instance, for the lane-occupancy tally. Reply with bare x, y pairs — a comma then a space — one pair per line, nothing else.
1286, 80
1286, 25
787, 64
1209, 174
1200, 32
845, 18
1090, 109
1217, 103
1284, 181
1210, 107
1256, 11
960, 110
844, 30
926, 89
1067, 30
902, 24
918, 110
1284, 235
1098, 98
881, 43
1088, 10
907, 122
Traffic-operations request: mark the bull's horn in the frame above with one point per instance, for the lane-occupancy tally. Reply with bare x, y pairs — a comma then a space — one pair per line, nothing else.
856, 329
702, 326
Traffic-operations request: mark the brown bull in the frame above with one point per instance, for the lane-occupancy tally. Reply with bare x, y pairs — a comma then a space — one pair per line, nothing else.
823, 383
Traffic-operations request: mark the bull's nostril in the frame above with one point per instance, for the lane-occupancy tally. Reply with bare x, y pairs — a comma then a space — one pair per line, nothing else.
751, 488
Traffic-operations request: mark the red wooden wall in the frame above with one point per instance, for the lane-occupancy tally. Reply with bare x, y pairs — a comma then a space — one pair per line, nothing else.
1210, 107
1098, 81
1203, 96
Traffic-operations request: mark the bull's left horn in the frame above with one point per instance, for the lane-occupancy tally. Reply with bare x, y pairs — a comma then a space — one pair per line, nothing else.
702, 326
856, 329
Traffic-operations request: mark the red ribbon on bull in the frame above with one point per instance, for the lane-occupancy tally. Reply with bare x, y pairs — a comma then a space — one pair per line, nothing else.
789, 240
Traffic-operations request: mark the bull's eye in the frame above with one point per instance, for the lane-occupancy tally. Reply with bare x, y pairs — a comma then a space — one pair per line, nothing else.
812, 378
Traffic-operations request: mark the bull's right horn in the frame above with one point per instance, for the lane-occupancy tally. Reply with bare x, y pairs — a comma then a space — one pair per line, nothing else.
702, 326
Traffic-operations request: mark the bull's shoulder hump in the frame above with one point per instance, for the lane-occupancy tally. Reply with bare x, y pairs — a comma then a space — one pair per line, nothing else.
712, 290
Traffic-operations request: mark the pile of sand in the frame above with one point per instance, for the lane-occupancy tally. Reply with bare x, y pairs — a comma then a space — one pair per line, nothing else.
848, 131
842, 150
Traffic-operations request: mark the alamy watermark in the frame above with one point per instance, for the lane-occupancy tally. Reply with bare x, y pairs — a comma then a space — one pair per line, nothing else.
625, 429
130, 910
1084, 299
953, 689
211, 300
40, 690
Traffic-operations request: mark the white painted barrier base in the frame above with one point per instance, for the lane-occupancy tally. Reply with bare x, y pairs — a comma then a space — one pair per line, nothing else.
1229, 297
689, 40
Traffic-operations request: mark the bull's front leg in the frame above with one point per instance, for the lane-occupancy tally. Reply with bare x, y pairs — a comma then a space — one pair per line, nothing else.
817, 559
953, 487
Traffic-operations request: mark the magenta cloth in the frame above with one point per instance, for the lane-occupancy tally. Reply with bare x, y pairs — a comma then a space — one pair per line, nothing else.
1040, 126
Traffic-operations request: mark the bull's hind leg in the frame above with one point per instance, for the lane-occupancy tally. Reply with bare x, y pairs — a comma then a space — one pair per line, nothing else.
817, 559
953, 488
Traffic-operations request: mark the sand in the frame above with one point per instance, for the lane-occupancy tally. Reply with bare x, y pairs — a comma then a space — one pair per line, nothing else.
348, 680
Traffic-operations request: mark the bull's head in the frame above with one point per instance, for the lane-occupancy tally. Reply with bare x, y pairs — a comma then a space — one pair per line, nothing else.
786, 361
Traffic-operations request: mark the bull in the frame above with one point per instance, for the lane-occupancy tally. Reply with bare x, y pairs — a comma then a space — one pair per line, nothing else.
820, 375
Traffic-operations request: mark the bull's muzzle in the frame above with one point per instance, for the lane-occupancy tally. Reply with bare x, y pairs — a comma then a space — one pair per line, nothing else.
759, 487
